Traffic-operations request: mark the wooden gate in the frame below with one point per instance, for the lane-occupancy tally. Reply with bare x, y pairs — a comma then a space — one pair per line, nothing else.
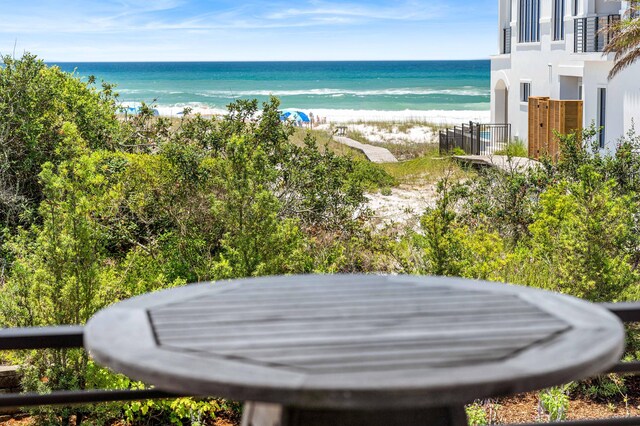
548, 117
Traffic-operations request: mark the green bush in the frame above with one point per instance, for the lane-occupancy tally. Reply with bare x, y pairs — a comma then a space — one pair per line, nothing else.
554, 402
117, 207
36, 102
515, 148
371, 176
476, 415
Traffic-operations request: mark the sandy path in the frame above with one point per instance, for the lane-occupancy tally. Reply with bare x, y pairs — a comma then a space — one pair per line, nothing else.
405, 204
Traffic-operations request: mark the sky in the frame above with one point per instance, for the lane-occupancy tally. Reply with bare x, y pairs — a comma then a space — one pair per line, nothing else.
253, 30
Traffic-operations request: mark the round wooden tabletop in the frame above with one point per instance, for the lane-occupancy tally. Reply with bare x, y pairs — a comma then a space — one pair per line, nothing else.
355, 341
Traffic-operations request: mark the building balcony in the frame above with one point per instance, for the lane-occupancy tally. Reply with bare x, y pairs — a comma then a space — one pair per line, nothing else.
591, 34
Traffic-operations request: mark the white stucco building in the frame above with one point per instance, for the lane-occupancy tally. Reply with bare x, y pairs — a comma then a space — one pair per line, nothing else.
553, 48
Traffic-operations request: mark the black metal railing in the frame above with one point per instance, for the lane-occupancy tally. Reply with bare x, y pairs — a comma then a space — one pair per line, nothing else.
475, 138
62, 337
506, 40
591, 33
72, 336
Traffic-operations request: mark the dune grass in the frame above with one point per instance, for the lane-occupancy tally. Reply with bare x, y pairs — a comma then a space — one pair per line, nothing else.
426, 169
401, 126
325, 140
516, 148
424, 166
402, 151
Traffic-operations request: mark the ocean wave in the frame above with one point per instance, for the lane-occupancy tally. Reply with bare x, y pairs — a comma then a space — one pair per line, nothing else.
151, 91
343, 92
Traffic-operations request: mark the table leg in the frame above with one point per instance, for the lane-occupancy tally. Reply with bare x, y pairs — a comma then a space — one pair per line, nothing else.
261, 414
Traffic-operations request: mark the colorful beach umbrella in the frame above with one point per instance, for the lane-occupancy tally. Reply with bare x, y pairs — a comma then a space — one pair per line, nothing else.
297, 116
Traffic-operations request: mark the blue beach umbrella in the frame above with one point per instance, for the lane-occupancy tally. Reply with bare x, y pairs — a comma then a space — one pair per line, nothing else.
297, 116
135, 110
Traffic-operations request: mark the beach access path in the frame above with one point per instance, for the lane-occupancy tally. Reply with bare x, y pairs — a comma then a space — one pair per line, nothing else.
375, 154
501, 162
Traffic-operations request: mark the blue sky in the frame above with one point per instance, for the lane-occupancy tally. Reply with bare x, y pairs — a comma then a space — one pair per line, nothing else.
225, 30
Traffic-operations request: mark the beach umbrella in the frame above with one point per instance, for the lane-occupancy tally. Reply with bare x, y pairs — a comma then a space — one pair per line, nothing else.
297, 116
135, 110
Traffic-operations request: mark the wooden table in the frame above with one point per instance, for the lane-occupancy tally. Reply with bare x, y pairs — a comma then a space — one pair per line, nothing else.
354, 349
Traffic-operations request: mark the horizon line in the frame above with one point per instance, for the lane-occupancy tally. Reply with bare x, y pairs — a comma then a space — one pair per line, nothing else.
266, 60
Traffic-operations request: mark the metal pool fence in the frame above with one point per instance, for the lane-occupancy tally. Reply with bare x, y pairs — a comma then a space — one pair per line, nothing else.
475, 138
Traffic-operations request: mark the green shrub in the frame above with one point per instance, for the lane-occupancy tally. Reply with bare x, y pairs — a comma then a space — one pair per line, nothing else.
119, 207
476, 415
371, 176
609, 387
35, 103
515, 148
554, 402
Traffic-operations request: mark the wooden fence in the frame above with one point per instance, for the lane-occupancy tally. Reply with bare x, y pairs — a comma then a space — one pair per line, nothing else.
548, 117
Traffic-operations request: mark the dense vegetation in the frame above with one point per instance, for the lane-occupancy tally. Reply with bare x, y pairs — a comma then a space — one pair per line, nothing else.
95, 208
569, 226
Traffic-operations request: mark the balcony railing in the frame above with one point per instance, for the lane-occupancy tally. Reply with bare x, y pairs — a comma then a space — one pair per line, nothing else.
69, 337
506, 40
61, 337
590, 33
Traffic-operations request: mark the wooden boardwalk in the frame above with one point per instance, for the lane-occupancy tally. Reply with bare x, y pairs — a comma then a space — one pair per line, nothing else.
375, 154
499, 161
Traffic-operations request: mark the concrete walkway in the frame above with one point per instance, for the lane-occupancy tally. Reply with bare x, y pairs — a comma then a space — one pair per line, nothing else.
500, 161
375, 154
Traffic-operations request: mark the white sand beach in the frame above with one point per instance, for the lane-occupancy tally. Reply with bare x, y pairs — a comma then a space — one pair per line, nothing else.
390, 132
346, 115
427, 116
404, 205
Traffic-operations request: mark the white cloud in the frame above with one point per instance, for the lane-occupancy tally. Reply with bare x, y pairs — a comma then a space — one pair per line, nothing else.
251, 29
157, 15
407, 11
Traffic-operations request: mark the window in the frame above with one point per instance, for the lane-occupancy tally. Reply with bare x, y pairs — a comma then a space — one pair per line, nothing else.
574, 8
602, 115
529, 21
558, 19
525, 92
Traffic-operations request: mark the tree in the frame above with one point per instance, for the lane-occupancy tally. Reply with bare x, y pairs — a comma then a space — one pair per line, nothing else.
35, 102
57, 276
624, 39
584, 236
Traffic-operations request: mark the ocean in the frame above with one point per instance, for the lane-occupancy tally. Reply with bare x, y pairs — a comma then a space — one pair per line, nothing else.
364, 88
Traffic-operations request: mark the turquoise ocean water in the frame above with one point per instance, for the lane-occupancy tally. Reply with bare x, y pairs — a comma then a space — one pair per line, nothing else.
379, 86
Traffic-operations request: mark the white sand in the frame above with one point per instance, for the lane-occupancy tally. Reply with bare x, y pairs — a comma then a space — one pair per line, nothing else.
405, 205
343, 115
417, 133
434, 116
